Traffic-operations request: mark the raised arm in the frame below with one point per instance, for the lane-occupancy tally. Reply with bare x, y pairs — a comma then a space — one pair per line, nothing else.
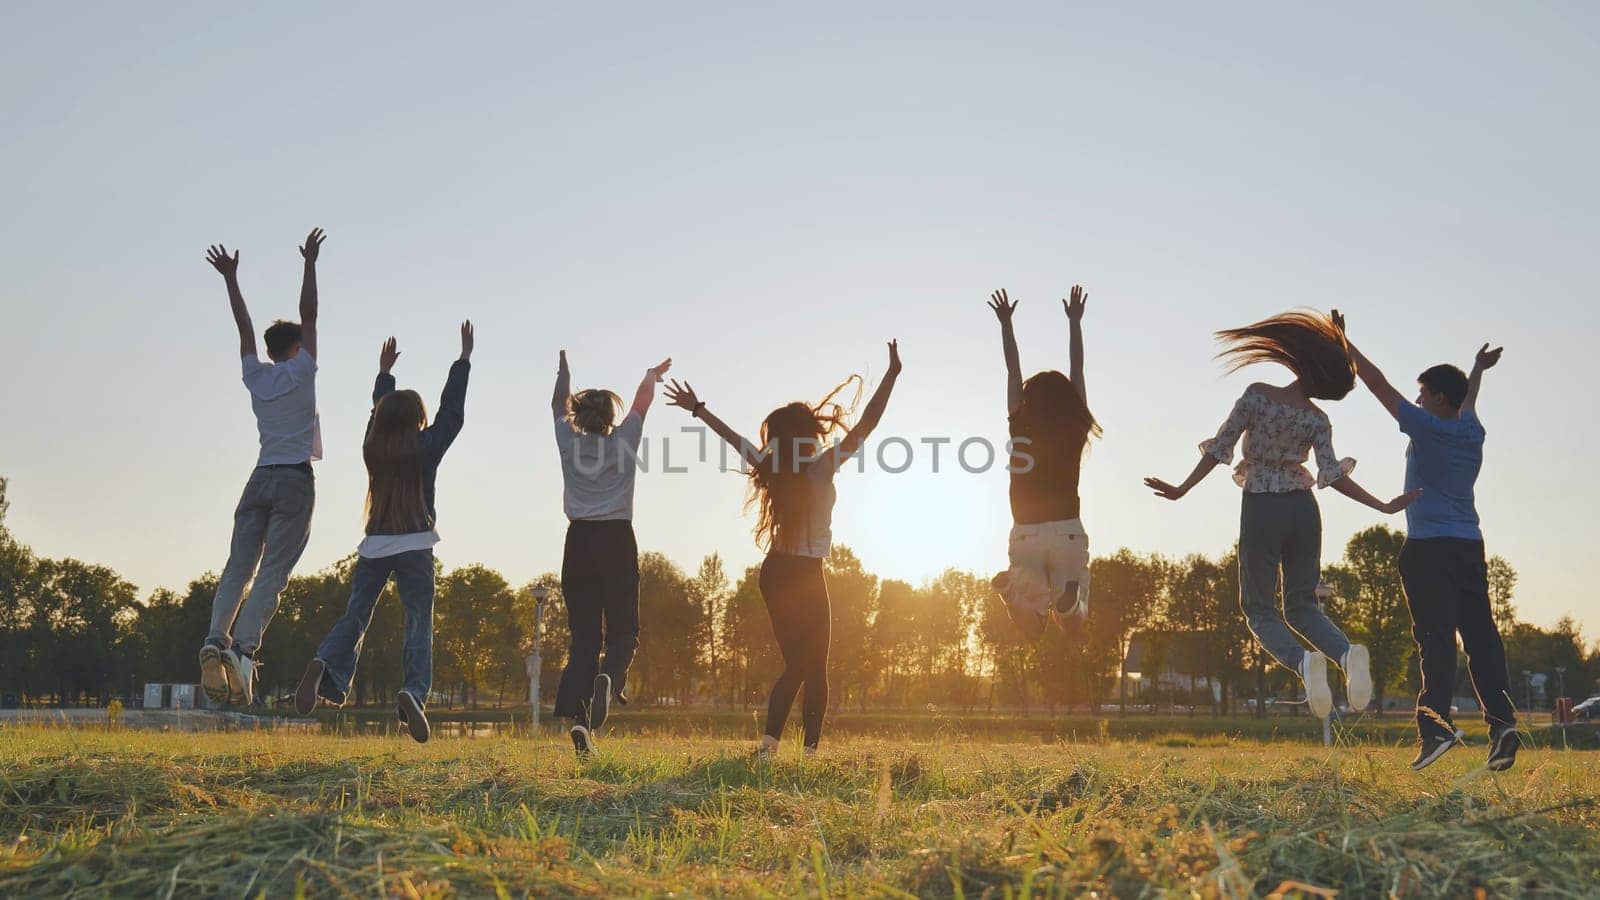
452, 412
218, 256
1003, 308
308, 292
1485, 360
563, 392
875, 407
647, 387
683, 395
1370, 375
384, 384
1074, 305
1348, 487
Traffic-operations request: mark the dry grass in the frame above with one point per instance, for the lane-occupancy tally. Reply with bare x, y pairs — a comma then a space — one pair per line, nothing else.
86, 813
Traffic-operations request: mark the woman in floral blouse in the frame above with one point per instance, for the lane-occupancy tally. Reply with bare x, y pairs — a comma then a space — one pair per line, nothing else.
1280, 526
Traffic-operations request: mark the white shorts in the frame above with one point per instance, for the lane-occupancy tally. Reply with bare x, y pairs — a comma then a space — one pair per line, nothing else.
1049, 560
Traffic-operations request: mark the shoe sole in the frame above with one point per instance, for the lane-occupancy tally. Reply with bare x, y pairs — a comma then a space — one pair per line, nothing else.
1358, 672
415, 720
214, 676
1442, 749
1319, 697
600, 702
305, 696
239, 691
1504, 754
581, 741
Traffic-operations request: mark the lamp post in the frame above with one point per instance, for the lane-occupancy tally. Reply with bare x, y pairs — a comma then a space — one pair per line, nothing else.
541, 595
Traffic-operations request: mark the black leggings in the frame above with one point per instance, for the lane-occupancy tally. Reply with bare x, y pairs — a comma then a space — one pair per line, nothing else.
600, 587
802, 621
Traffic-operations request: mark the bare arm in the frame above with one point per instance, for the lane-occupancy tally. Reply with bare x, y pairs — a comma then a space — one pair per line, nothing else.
1371, 376
875, 407
563, 392
1175, 492
1348, 487
647, 387
1003, 308
683, 395
1485, 360
308, 292
218, 256
1074, 306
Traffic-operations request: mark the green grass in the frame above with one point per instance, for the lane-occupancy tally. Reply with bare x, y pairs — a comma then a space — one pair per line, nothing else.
95, 813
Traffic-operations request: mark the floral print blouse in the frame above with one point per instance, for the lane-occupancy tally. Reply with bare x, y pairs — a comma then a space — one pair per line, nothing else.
1276, 439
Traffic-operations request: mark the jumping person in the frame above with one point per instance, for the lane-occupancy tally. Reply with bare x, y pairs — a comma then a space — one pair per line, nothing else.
1442, 563
1050, 428
402, 452
1280, 526
600, 562
791, 487
273, 519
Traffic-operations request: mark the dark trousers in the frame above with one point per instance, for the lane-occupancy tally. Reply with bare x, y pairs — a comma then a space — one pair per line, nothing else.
413, 577
1447, 590
802, 620
600, 587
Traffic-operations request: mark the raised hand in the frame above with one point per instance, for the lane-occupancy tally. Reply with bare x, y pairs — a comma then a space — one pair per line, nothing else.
562, 366
1002, 305
218, 256
894, 358
466, 339
313, 245
387, 356
658, 371
1075, 302
1487, 358
1401, 502
682, 395
1338, 321
1163, 489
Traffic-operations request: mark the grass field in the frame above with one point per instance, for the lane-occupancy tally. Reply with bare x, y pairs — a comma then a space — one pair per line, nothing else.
96, 813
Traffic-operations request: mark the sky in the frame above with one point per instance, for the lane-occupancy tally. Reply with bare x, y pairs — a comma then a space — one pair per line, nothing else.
767, 194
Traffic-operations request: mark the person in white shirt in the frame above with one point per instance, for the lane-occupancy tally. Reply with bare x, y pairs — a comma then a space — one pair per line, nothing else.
273, 519
600, 562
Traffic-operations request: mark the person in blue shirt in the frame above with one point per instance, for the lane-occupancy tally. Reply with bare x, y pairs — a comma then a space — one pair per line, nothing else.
1442, 563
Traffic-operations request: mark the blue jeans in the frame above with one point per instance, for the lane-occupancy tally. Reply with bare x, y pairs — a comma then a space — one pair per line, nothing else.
1280, 544
270, 528
413, 577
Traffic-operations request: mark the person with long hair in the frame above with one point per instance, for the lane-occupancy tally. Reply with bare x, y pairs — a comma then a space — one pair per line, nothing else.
1050, 425
272, 521
402, 452
1280, 525
791, 489
600, 560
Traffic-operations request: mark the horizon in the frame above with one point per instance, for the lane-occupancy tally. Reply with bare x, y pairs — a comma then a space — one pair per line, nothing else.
768, 197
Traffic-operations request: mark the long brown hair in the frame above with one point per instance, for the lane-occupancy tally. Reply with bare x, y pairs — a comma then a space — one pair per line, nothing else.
393, 453
593, 411
791, 434
1306, 342
1054, 415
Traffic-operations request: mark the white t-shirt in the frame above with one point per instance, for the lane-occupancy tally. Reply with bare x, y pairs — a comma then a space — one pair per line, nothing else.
284, 399
377, 546
597, 471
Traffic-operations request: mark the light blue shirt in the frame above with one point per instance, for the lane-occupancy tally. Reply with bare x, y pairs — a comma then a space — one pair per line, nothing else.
1443, 459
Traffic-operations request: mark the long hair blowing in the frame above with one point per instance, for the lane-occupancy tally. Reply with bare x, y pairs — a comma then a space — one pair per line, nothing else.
1306, 342
593, 411
1055, 415
393, 454
792, 436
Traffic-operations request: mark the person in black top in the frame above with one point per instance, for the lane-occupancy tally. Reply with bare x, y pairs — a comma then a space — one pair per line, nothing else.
1050, 426
402, 452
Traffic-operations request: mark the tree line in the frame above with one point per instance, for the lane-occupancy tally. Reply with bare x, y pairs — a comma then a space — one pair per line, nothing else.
75, 633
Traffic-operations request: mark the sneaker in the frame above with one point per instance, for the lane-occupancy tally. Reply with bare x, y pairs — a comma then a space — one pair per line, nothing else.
241, 670
1002, 585
767, 750
1357, 665
305, 696
809, 751
1069, 603
214, 675
582, 741
1434, 747
600, 703
411, 714
1314, 672
1504, 742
